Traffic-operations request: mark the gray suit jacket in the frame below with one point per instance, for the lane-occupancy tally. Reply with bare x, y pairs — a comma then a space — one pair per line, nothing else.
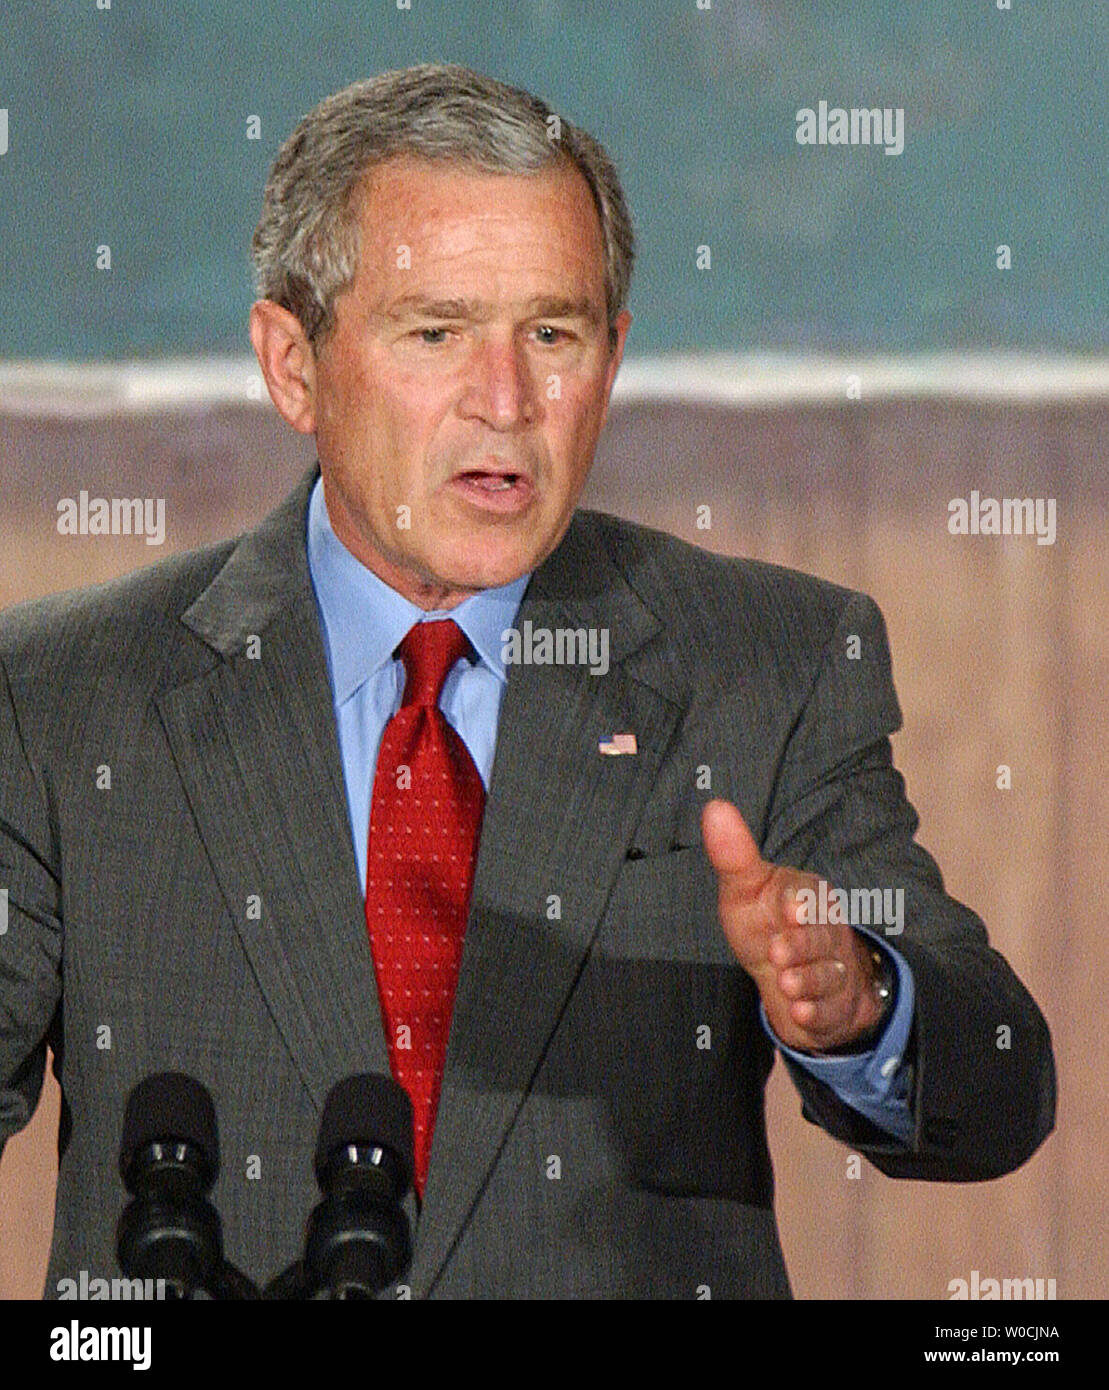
158, 777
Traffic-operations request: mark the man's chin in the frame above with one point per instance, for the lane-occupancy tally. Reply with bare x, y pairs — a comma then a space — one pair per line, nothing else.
470, 558
474, 579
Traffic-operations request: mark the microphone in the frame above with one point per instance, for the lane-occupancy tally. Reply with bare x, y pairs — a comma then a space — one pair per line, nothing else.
169, 1160
357, 1240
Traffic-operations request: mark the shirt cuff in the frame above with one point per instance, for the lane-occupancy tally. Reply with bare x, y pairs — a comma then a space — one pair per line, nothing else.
875, 1083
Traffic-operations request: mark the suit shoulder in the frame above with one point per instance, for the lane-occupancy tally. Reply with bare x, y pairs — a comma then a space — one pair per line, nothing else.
127, 612
710, 594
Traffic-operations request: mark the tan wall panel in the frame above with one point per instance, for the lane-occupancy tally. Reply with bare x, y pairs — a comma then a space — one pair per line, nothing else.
1000, 655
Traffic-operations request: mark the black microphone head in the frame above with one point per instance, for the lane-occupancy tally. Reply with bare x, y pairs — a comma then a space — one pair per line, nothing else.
170, 1107
369, 1111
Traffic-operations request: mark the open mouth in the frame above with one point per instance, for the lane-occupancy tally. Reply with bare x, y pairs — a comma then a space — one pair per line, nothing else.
491, 482
495, 490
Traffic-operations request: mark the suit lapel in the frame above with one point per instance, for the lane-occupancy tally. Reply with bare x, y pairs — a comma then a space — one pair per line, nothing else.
255, 745
558, 818
256, 748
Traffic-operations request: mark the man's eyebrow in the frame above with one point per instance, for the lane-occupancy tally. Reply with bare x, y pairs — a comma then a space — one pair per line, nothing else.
559, 307
543, 306
419, 306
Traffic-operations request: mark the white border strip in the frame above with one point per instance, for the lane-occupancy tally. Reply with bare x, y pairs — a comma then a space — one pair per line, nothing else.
57, 390
766, 380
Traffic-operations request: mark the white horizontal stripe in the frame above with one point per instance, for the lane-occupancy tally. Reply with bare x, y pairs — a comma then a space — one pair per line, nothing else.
55, 390
764, 380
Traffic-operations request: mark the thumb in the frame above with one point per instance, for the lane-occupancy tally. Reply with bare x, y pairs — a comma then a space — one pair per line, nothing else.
731, 847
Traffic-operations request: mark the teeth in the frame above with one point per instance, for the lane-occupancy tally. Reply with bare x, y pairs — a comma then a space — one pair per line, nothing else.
495, 484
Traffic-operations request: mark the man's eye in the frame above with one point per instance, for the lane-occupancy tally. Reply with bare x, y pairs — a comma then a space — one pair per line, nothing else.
549, 335
432, 336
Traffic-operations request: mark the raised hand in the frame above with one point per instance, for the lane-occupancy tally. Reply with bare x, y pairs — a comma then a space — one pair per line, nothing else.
816, 979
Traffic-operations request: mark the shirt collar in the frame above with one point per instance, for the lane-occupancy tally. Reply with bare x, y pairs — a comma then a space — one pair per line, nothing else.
365, 620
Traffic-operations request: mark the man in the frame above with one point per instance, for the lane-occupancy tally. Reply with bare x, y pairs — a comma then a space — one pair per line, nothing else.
546, 813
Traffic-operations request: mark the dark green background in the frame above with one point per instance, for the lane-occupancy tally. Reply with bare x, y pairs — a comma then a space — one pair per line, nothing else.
128, 127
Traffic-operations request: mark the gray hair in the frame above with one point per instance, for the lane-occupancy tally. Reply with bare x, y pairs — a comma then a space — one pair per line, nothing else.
305, 248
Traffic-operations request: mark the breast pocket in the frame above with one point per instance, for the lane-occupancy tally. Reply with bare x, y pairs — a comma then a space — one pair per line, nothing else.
663, 906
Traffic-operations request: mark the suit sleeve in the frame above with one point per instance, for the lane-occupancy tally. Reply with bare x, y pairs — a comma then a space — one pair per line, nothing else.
983, 1077
31, 943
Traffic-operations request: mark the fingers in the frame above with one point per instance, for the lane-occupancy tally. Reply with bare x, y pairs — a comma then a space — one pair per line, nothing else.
801, 944
814, 963
821, 980
822, 1019
811, 976
828, 997
731, 847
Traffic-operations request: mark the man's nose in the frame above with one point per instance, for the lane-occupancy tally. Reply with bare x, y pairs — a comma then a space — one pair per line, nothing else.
499, 388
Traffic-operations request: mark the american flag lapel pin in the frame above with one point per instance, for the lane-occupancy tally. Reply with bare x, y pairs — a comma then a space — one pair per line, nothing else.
618, 743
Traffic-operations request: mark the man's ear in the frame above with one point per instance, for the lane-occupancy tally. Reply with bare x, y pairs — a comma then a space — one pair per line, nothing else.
287, 361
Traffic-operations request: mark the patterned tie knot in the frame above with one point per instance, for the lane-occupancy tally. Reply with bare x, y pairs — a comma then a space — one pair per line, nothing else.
428, 652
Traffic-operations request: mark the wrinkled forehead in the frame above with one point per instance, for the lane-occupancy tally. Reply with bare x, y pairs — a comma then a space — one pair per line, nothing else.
411, 183
417, 216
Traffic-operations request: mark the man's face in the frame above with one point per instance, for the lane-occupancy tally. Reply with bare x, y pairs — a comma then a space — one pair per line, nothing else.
460, 395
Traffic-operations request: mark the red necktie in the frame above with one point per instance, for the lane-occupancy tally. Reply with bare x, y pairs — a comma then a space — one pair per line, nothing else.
425, 819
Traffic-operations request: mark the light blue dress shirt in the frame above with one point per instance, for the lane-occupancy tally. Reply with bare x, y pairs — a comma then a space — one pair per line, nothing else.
363, 622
